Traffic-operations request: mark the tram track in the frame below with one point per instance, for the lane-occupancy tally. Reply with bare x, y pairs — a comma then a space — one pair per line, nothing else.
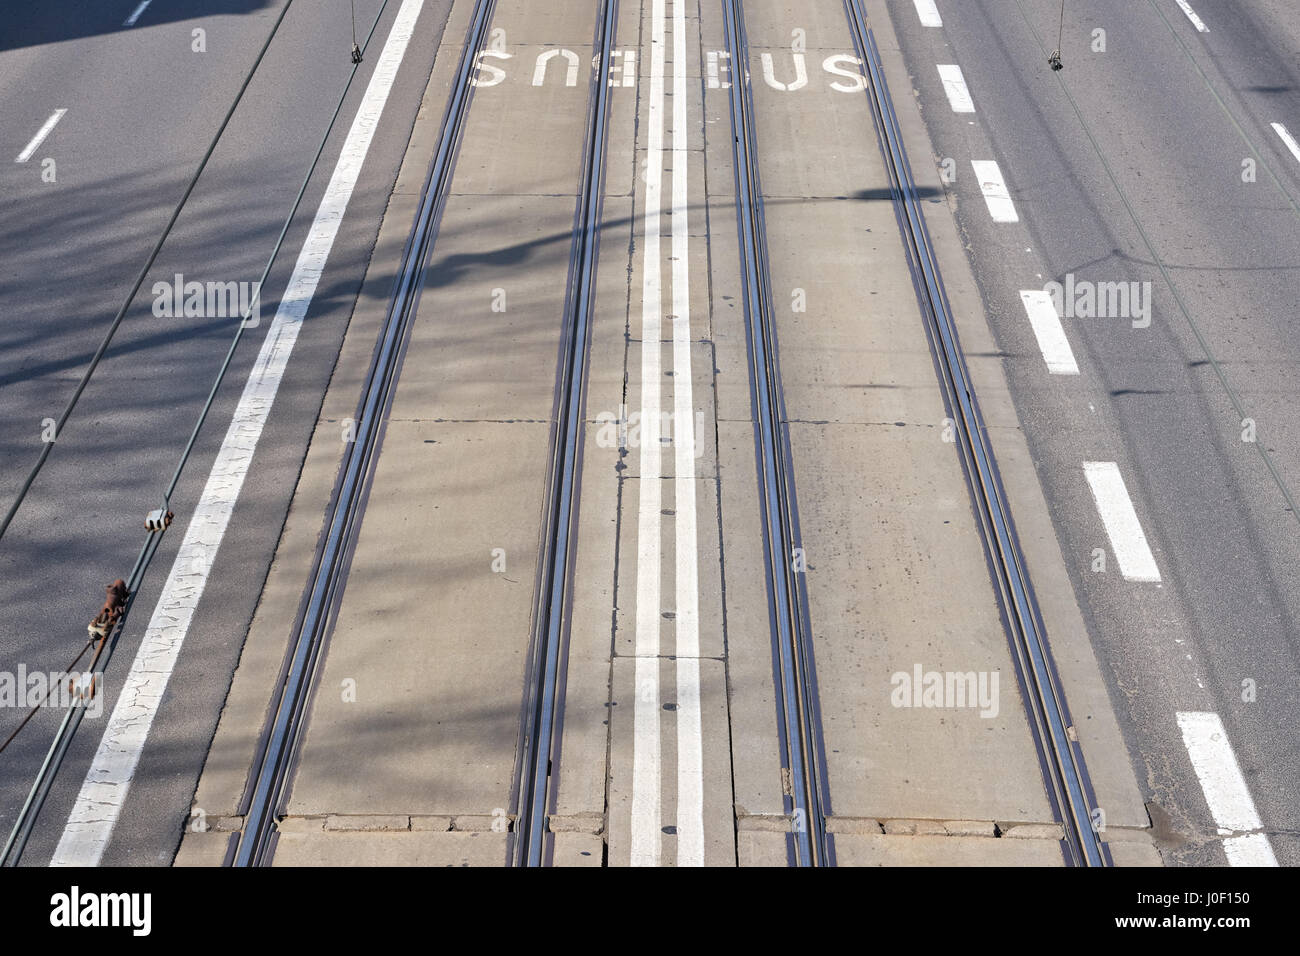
801, 741
539, 738
1064, 771
802, 748
540, 716
272, 772
1061, 762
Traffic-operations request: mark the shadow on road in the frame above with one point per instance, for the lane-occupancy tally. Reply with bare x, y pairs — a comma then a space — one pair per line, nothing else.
40, 24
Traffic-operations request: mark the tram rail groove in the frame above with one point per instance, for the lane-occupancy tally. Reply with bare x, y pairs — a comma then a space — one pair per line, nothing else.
1061, 758
541, 719
273, 766
802, 747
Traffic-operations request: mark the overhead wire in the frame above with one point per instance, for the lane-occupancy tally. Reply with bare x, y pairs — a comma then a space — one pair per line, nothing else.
62, 420
1219, 372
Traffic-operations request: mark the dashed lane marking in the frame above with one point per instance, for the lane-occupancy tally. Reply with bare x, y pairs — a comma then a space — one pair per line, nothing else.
954, 84
994, 188
1047, 329
1133, 554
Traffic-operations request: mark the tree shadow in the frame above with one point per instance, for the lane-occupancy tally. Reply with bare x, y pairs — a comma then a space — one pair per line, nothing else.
58, 21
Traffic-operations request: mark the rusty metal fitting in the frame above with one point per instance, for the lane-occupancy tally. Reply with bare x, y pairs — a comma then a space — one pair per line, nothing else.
111, 612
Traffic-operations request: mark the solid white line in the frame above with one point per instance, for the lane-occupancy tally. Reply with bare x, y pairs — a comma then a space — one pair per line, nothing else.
690, 748
1225, 789
1047, 329
1191, 15
1287, 138
39, 138
647, 837
1132, 553
994, 188
928, 12
954, 84
95, 813
135, 15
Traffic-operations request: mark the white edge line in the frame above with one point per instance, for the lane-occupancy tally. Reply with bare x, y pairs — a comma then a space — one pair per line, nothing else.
1224, 786
1132, 553
104, 791
39, 138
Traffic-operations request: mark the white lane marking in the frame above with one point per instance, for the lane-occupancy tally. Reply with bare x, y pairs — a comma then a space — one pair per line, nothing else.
135, 14
39, 138
1136, 562
1047, 329
954, 84
994, 188
690, 746
647, 838
928, 12
1191, 15
1249, 849
570, 72
1287, 138
1225, 789
95, 813
718, 61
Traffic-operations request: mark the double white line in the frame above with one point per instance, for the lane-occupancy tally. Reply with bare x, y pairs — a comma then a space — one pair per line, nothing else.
647, 815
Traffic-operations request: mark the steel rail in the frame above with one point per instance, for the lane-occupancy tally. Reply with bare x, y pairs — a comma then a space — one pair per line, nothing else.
256, 841
1064, 772
539, 743
800, 718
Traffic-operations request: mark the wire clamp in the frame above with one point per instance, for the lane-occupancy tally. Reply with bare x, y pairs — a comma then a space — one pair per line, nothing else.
82, 687
111, 612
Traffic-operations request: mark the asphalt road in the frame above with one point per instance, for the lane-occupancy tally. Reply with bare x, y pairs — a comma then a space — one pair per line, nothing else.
141, 107
1132, 165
